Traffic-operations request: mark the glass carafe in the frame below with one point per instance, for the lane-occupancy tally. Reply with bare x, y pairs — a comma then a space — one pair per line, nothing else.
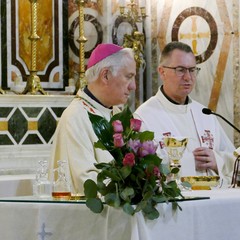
42, 186
61, 189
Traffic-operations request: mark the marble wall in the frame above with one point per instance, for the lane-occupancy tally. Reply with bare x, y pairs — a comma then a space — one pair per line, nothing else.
27, 125
210, 27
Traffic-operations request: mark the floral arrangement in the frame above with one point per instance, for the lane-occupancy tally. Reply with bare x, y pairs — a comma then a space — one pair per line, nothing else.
136, 179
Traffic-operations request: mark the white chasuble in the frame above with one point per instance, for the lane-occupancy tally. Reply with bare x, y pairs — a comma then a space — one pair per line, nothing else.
74, 141
165, 118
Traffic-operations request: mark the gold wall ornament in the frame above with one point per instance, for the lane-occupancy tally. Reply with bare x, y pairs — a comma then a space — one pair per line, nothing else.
133, 11
136, 42
81, 82
33, 81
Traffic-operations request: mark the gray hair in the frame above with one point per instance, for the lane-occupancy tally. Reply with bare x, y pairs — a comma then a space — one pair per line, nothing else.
114, 62
168, 49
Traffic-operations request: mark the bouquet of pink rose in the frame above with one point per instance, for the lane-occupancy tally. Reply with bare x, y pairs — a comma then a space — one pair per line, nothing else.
136, 178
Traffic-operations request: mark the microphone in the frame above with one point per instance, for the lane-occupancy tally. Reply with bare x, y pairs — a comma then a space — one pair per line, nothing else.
208, 111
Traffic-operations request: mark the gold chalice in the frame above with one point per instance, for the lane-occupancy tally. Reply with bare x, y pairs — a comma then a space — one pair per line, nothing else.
175, 147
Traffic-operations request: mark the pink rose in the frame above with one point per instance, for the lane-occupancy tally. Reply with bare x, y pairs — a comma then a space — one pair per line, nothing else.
117, 126
135, 124
129, 159
118, 140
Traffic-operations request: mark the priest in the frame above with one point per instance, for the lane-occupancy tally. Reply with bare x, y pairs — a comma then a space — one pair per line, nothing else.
172, 112
110, 79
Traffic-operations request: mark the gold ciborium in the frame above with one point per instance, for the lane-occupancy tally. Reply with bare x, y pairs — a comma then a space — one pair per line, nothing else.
175, 147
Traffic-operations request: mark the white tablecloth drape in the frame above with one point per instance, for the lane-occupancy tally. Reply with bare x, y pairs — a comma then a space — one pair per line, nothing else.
16, 185
215, 218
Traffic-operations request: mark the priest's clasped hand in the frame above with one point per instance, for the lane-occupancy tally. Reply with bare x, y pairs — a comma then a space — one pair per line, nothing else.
205, 159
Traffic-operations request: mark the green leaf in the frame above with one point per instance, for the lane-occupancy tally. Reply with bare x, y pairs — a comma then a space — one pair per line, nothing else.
101, 128
112, 199
111, 187
175, 170
171, 189
128, 208
101, 177
172, 184
141, 206
117, 154
111, 175
140, 173
151, 159
150, 211
100, 145
125, 171
102, 189
153, 214
175, 206
147, 195
95, 205
146, 136
102, 165
160, 199
126, 193
90, 189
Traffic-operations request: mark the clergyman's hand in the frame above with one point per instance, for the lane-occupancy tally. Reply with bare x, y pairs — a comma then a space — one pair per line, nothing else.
205, 159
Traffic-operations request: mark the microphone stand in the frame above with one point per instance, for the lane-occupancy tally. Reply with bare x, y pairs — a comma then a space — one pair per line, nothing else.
226, 121
235, 182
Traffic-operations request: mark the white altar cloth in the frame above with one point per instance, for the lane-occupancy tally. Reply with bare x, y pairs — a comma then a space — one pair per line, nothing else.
216, 218
16, 185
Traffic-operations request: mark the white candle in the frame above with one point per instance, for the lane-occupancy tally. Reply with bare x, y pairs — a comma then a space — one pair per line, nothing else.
142, 3
121, 3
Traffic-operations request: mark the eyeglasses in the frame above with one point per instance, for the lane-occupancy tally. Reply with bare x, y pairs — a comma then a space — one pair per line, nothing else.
180, 71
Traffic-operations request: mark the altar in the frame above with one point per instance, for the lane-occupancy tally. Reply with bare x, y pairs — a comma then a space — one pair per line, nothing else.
214, 215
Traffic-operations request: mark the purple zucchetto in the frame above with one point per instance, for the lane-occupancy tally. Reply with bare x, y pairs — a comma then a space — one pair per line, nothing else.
102, 51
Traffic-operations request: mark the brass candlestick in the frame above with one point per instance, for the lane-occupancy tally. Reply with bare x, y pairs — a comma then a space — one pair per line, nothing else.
81, 82
2, 91
33, 81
